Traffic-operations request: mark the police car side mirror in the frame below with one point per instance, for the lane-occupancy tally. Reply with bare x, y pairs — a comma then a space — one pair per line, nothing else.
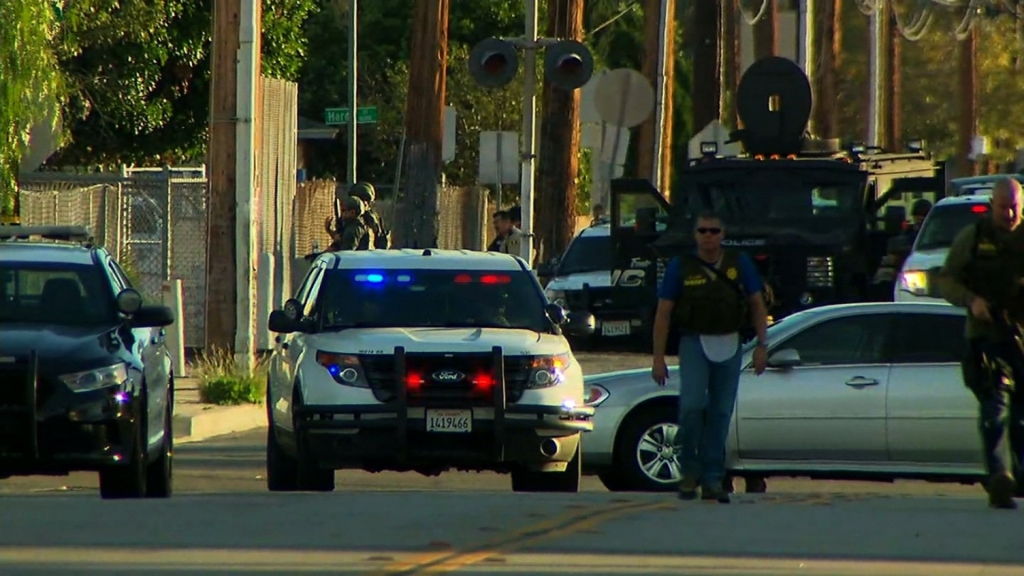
282, 323
579, 324
293, 309
555, 313
153, 316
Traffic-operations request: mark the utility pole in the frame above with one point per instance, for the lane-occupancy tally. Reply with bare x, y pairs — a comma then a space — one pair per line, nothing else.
808, 45
654, 150
230, 263
876, 82
893, 80
706, 63
766, 32
558, 166
353, 84
829, 43
529, 143
968, 82
731, 61
424, 120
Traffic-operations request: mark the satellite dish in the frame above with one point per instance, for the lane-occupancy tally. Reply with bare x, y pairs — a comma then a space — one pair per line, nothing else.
774, 103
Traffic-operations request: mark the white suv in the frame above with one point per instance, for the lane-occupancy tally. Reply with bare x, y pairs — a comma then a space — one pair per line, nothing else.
424, 360
916, 282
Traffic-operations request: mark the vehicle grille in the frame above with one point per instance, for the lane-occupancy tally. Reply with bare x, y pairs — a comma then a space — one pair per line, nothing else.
820, 272
380, 373
13, 389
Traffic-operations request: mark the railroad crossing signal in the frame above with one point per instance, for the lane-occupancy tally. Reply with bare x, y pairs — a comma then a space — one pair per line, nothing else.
568, 64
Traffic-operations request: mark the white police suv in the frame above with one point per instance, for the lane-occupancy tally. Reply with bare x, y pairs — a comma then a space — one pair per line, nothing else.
916, 282
424, 360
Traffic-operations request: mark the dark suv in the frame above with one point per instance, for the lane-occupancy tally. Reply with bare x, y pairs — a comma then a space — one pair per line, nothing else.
85, 376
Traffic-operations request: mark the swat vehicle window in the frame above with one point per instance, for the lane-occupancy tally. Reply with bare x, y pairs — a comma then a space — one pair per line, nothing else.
772, 200
945, 222
587, 254
431, 299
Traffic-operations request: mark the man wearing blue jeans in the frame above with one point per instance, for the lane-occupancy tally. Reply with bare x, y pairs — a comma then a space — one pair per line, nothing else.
711, 296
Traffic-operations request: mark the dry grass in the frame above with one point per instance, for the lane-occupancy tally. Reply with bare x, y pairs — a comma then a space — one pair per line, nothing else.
222, 381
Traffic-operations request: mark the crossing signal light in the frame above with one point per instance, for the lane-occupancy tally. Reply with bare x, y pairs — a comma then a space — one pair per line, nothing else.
568, 64
493, 63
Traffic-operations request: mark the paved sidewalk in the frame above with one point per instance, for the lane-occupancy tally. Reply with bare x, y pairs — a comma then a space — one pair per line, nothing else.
195, 421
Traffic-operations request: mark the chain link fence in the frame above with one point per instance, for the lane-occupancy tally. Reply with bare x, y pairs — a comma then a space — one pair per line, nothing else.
463, 217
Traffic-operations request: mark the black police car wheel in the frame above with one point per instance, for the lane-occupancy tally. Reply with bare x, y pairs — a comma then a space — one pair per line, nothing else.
282, 469
160, 473
310, 476
127, 480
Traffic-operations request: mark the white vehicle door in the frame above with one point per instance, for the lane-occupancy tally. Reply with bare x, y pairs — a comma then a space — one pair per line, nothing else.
289, 349
831, 407
932, 416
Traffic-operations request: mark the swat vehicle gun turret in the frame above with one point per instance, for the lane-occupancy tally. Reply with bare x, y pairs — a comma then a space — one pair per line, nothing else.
815, 216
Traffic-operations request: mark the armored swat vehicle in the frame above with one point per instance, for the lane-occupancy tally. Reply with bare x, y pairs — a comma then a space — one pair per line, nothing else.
816, 217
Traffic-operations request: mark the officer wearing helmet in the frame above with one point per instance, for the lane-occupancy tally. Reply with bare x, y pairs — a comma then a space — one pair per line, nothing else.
353, 234
918, 211
371, 219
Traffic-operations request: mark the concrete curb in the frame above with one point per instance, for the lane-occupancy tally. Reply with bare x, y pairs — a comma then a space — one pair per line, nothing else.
210, 421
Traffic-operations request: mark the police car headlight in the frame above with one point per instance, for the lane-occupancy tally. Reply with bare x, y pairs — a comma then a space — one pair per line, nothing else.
556, 297
915, 282
548, 371
95, 379
345, 369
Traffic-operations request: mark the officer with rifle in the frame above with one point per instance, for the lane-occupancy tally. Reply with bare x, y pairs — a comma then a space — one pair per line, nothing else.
353, 234
371, 219
984, 272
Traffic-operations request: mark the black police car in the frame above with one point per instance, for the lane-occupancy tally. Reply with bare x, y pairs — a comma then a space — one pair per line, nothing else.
85, 376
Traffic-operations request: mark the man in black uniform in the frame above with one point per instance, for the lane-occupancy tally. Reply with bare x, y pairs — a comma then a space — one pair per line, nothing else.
984, 272
371, 219
353, 234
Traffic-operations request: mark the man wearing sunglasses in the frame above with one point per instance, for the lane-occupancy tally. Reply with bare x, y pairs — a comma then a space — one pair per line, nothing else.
714, 296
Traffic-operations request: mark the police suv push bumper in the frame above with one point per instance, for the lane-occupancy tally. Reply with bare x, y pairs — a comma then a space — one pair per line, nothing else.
541, 436
49, 429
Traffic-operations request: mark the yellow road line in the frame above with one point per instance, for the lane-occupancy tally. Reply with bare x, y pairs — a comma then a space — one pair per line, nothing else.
589, 523
563, 524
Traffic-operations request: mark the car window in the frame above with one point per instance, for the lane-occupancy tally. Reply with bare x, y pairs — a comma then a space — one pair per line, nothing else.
432, 298
61, 294
307, 283
945, 222
929, 338
860, 339
587, 254
120, 278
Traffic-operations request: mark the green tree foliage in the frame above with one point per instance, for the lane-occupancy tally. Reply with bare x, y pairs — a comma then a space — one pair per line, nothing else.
930, 87
30, 83
138, 73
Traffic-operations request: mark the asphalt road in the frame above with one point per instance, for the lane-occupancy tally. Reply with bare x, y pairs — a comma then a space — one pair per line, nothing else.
222, 521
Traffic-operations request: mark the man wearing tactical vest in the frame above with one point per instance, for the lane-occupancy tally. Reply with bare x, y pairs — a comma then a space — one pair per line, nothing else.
984, 273
371, 219
353, 234
714, 297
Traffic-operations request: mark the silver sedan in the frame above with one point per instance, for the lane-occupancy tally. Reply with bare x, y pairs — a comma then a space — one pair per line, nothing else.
855, 391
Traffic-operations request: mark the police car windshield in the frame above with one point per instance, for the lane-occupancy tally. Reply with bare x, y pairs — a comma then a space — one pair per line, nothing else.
431, 299
945, 222
56, 294
779, 202
587, 254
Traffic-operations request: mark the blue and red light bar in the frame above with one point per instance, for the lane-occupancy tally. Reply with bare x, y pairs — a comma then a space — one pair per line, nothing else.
485, 279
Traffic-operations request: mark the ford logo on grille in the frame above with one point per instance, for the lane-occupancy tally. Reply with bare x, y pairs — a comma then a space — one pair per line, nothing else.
448, 376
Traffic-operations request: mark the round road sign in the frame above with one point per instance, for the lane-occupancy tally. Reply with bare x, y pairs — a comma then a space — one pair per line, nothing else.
624, 98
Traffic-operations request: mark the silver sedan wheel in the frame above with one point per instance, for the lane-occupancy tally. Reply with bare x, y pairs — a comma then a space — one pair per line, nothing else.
657, 454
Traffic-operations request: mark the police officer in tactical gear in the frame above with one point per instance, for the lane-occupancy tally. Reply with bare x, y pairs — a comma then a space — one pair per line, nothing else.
371, 219
984, 272
715, 298
918, 212
353, 234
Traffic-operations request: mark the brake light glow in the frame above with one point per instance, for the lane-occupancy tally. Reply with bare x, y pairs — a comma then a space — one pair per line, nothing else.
979, 208
483, 382
495, 279
463, 279
413, 381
